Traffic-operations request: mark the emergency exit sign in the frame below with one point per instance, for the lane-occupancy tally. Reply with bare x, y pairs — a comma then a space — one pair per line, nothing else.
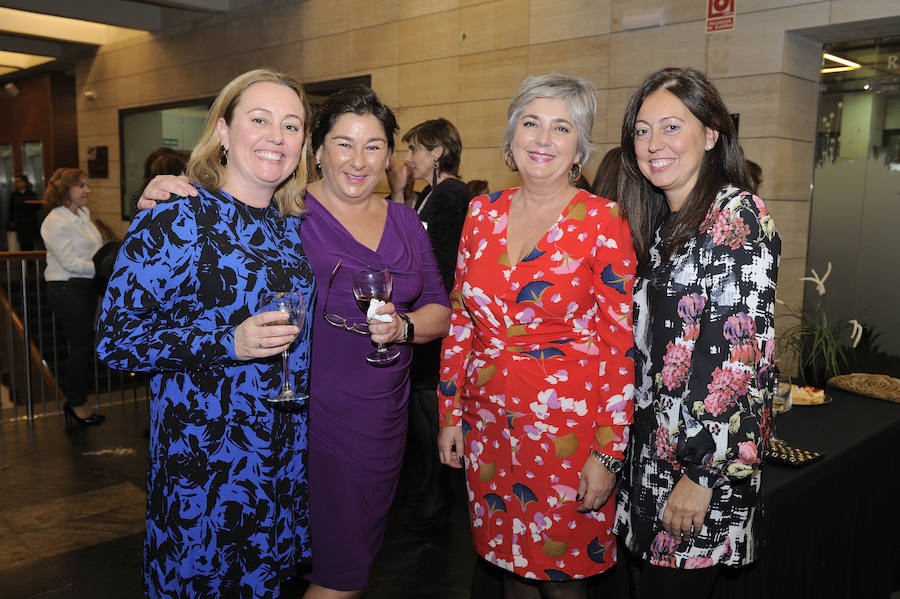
719, 15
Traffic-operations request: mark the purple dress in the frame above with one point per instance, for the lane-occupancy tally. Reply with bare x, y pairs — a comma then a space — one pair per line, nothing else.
357, 415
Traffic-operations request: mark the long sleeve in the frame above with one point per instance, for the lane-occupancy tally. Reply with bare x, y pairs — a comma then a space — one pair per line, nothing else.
614, 270
151, 318
71, 242
730, 367
458, 343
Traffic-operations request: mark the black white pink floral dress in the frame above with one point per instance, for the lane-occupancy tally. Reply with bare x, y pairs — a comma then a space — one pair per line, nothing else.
704, 344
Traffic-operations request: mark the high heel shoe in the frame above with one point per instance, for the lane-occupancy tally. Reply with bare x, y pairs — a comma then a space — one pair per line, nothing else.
70, 413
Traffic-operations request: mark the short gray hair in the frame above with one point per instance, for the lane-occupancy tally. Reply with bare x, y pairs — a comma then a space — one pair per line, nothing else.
579, 94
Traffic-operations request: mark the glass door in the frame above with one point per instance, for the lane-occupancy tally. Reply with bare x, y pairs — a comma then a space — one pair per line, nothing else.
856, 191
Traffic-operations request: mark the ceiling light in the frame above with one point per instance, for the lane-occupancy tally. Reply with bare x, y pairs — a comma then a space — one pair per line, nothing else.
17, 60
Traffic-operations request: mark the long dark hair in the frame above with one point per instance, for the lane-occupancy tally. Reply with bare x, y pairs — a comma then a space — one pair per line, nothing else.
645, 205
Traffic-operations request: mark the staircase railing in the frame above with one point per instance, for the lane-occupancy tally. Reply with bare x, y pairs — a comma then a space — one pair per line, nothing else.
33, 348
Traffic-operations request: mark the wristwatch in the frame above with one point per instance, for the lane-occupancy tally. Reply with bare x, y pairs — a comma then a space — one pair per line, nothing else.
409, 331
614, 465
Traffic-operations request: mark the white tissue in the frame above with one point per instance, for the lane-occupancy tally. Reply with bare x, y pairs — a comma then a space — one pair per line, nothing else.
373, 304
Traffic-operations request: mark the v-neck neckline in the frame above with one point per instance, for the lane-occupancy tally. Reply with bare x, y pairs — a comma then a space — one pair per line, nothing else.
562, 216
336, 221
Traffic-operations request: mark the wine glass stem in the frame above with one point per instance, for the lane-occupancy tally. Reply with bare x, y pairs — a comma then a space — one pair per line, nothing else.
285, 382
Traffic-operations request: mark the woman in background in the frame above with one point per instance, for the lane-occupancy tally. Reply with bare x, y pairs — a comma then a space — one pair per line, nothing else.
72, 240
434, 154
227, 493
703, 320
536, 374
24, 207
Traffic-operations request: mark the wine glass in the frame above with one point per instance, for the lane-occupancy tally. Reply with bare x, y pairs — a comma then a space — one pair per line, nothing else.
781, 401
291, 303
374, 284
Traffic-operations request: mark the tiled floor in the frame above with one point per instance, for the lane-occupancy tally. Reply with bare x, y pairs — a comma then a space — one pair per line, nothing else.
72, 510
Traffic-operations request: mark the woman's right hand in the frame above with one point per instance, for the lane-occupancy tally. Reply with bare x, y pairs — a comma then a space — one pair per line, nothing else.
450, 446
260, 337
397, 176
161, 187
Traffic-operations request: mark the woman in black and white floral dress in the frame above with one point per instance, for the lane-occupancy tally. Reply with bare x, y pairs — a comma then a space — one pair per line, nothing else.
703, 321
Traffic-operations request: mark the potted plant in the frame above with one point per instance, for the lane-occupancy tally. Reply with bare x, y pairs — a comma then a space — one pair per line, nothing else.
817, 342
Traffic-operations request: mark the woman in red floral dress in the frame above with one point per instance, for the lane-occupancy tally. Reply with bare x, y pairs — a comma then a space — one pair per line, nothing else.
537, 374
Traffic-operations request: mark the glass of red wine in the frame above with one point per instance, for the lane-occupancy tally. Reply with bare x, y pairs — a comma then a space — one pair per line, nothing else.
374, 284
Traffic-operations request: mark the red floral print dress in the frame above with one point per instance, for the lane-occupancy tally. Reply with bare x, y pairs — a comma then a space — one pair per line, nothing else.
704, 344
538, 369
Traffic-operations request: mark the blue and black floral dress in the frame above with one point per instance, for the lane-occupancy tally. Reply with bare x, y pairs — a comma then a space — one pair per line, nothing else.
227, 494
704, 344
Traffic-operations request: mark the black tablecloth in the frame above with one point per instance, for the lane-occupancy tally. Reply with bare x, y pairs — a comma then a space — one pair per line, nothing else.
831, 528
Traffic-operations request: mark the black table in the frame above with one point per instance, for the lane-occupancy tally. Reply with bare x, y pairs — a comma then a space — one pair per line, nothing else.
831, 528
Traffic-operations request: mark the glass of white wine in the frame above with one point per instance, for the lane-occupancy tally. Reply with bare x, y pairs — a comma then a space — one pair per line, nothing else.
292, 304
781, 401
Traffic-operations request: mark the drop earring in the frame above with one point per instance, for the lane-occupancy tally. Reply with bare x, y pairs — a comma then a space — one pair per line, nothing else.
434, 175
224, 159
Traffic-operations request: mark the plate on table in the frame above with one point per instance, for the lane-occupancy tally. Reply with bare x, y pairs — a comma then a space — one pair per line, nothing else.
808, 396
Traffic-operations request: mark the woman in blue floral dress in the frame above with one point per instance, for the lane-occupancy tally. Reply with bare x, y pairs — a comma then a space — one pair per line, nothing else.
689, 498
227, 496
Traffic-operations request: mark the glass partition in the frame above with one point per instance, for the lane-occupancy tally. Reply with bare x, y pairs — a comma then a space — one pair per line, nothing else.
6, 170
143, 131
856, 192
33, 165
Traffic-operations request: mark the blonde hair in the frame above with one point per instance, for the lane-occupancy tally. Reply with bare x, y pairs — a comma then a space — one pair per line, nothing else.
204, 166
61, 181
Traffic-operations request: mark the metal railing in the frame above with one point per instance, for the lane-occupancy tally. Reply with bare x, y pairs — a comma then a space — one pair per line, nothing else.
33, 348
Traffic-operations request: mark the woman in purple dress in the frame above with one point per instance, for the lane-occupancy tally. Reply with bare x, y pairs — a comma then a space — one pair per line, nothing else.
358, 412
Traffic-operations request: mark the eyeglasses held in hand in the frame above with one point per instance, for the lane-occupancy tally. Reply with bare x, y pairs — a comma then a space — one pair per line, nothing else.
360, 328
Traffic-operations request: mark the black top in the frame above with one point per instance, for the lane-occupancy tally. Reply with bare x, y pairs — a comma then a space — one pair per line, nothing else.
443, 211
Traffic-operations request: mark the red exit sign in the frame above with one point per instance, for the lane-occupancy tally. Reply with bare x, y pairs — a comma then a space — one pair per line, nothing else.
719, 15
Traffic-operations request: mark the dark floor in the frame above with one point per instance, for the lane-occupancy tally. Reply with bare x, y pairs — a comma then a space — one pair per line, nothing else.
72, 513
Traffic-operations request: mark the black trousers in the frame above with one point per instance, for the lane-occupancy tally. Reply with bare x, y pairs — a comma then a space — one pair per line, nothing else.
74, 303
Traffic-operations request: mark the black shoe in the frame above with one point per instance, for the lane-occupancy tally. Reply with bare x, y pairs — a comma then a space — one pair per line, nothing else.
69, 411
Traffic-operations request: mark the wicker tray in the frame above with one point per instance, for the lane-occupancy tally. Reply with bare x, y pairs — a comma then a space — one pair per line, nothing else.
880, 386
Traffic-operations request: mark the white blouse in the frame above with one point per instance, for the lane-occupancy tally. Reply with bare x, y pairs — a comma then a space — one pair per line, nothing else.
71, 241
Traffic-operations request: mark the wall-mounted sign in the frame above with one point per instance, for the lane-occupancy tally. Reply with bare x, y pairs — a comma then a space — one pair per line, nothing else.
719, 15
